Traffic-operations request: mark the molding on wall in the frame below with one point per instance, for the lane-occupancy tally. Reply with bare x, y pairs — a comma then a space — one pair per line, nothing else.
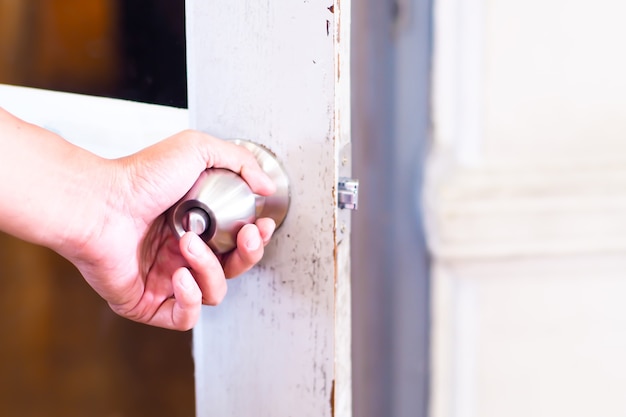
525, 208
495, 212
458, 81
534, 197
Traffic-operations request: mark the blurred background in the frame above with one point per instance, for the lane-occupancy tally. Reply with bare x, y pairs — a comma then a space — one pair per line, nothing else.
124, 49
524, 206
489, 142
63, 352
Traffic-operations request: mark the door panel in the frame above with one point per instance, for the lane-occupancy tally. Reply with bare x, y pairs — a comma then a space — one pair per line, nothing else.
278, 73
108, 127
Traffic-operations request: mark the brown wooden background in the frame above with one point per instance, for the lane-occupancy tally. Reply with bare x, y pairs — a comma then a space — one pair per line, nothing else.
62, 351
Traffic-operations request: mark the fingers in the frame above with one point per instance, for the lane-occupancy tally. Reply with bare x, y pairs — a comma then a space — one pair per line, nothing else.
180, 312
186, 309
207, 283
266, 228
224, 154
206, 268
183, 311
150, 171
250, 247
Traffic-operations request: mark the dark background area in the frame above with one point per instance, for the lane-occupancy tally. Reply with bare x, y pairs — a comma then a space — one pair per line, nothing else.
62, 351
116, 48
152, 67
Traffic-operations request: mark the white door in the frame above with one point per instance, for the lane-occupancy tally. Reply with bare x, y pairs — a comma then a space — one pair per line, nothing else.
276, 73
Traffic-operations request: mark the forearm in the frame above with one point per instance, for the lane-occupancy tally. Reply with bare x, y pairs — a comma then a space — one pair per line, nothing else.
49, 188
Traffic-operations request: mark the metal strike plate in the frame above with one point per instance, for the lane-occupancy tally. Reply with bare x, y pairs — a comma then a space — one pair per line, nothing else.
348, 193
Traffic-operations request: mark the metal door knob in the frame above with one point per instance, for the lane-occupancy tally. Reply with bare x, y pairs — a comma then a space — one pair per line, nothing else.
220, 202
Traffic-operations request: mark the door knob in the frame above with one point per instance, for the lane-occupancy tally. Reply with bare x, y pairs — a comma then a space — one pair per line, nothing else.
220, 202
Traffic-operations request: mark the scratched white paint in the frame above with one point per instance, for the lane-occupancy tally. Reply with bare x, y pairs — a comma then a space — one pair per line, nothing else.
277, 73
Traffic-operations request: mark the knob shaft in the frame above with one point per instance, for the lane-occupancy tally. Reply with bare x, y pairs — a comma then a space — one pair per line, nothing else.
196, 220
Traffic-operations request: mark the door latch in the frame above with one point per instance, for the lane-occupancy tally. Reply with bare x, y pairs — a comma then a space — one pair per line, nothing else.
348, 197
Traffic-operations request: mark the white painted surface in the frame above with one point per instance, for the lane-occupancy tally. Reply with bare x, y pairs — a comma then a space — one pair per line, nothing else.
529, 239
107, 127
459, 78
556, 88
278, 73
538, 337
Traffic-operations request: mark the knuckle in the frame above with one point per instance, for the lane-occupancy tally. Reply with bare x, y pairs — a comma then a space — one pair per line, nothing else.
215, 297
186, 323
137, 313
186, 327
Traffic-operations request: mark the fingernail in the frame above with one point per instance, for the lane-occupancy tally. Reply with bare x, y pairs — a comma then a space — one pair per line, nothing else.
196, 245
268, 236
186, 282
254, 242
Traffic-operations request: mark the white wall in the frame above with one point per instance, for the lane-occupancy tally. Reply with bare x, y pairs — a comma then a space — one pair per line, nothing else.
526, 208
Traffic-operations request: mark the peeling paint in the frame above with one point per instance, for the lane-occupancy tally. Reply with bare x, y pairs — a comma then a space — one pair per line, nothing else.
281, 334
332, 399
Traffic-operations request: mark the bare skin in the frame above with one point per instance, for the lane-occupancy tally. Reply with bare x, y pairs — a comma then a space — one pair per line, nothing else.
106, 217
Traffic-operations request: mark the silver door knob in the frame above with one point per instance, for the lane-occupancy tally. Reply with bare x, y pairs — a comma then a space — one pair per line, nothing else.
220, 203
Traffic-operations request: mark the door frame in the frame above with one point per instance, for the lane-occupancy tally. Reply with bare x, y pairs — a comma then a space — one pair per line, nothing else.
392, 48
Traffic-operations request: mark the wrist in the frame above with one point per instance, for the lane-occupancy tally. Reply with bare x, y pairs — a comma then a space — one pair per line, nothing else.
83, 213
54, 193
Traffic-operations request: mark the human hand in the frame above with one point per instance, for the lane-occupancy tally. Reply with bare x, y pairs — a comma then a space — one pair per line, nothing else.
134, 261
